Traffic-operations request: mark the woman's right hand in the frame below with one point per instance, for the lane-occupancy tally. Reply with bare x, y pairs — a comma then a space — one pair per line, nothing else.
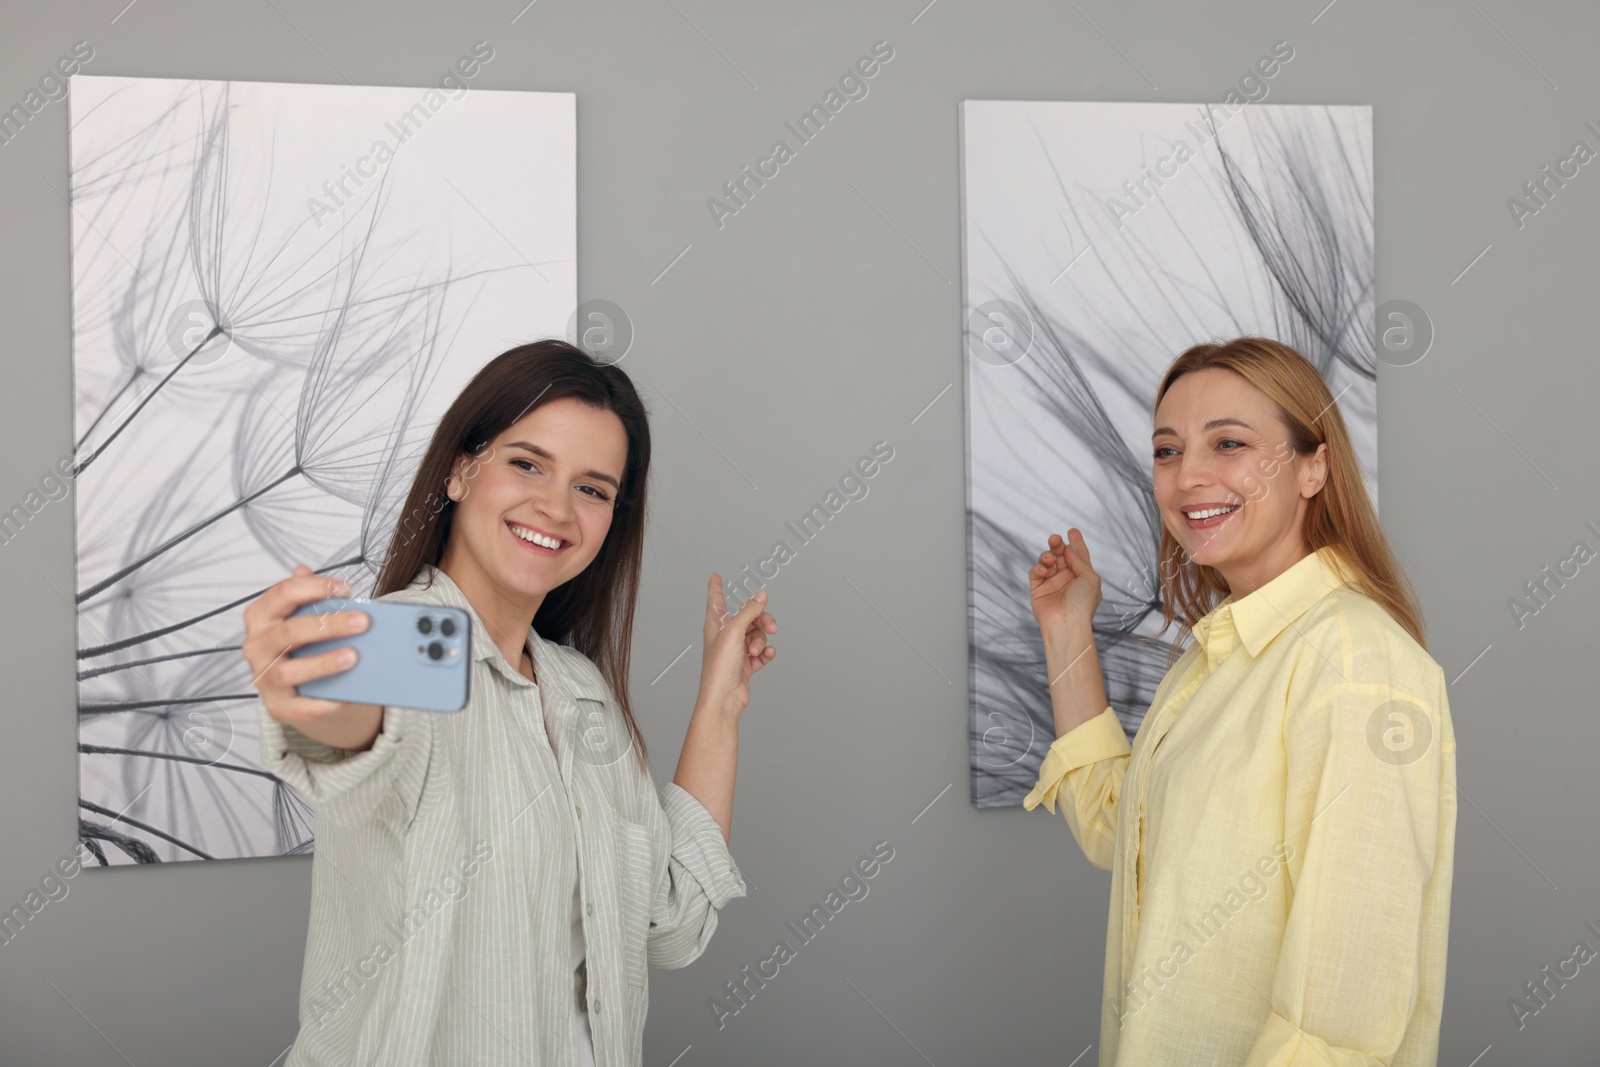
272, 631
1065, 587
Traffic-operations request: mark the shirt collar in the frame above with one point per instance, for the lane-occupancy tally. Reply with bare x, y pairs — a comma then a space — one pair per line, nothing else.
432, 585
1262, 615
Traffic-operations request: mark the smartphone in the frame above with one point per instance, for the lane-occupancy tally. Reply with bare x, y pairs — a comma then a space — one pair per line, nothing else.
409, 656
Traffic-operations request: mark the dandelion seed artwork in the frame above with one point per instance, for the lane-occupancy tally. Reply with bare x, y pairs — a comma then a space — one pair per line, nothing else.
277, 290
1100, 241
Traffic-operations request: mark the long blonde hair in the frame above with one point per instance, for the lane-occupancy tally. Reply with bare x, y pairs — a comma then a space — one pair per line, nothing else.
1340, 515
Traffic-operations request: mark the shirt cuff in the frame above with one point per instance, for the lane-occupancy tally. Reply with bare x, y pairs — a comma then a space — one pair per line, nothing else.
320, 771
1283, 1044
1089, 742
697, 844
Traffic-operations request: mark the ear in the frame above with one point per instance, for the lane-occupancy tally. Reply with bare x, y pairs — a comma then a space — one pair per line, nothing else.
1314, 473
464, 468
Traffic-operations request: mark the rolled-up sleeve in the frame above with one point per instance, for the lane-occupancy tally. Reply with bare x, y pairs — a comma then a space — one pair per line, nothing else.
1371, 815
1083, 771
384, 781
701, 878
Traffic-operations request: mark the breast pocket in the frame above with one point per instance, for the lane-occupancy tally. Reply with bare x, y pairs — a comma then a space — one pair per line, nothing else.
635, 894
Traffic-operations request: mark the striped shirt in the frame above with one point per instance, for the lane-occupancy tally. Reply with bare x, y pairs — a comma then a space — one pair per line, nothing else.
440, 927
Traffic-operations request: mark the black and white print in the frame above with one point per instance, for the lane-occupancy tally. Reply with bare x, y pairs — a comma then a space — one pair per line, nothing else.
277, 288
1100, 241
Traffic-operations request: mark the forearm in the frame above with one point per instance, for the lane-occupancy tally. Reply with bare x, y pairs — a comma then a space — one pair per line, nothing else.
708, 763
354, 727
1077, 687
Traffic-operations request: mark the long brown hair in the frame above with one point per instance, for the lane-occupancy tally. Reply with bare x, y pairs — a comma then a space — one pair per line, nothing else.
594, 611
1340, 515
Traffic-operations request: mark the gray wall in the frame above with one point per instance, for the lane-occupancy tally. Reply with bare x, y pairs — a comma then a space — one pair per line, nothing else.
819, 320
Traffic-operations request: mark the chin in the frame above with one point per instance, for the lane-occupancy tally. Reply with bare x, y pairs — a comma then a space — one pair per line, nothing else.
515, 574
1209, 554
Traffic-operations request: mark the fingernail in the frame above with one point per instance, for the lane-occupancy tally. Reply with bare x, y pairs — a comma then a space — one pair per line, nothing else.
762, 596
347, 657
358, 621
341, 587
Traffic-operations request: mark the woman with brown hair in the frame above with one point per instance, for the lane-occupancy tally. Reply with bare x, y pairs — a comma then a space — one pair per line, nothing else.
1281, 831
490, 884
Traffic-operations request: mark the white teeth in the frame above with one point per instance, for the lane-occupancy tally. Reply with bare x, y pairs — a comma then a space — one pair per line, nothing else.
538, 539
1210, 512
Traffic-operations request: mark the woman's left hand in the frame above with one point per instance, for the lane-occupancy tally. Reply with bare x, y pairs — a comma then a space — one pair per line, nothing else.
735, 648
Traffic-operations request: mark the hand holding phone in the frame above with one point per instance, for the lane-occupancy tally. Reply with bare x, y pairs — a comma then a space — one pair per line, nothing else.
272, 631
408, 655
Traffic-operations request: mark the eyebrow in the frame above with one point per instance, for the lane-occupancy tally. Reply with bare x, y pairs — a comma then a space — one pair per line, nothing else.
1207, 428
599, 476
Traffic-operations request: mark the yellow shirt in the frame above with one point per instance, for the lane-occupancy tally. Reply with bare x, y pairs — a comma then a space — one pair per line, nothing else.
1280, 837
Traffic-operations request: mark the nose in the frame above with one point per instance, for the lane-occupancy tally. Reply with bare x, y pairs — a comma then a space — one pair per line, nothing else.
1194, 469
553, 501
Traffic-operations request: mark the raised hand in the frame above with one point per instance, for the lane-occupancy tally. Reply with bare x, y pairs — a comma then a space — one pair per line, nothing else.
735, 648
1065, 590
272, 631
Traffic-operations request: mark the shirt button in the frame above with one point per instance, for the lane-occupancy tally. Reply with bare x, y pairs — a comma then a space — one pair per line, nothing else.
596, 1005
579, 811
588, 909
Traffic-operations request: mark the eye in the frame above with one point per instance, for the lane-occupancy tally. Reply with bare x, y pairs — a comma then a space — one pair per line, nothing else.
532, 468
1230, 441
1162, 449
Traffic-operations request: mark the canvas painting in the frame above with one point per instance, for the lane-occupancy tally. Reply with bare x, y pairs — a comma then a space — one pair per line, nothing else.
1100, 240
277, 289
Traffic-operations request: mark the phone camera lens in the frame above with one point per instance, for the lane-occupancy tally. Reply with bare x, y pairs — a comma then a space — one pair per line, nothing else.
435, 650
424, 625
447, 627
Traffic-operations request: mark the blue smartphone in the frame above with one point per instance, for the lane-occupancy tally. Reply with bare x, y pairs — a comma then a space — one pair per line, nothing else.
409, 656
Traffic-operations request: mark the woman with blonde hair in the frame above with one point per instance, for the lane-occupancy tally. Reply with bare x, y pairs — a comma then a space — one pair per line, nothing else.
1281, 831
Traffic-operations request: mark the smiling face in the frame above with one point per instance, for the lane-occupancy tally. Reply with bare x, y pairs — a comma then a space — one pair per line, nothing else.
533, 507
1229, 485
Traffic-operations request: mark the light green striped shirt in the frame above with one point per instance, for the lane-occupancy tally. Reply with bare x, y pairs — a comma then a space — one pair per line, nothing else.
441, 885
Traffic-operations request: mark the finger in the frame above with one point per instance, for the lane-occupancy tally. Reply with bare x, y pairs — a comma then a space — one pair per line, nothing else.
281, 599
263, 650
1079, 546
756, 629
279, 639
716, 603
756, 662
751, 609
1049, 586
1051, 567
255, 612
299, 630
742, 619
291, 671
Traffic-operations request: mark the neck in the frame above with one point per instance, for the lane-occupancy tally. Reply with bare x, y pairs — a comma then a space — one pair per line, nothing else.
1247, 576
506, 613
